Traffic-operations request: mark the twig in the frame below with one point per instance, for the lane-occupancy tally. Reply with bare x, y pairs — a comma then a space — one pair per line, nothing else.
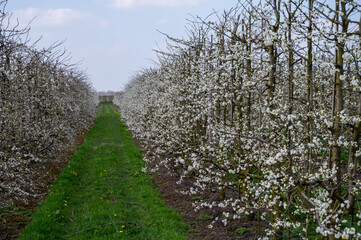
114, 223
131, 202
248, 137
83, 229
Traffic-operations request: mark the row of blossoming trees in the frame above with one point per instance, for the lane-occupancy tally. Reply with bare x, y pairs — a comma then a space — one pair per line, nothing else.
263, 103
44, 103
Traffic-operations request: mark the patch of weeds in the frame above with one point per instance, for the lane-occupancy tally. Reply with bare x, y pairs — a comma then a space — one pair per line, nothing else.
178, 210
243, 217
242, 230
13, 208
193, 230
197, 198
203, 218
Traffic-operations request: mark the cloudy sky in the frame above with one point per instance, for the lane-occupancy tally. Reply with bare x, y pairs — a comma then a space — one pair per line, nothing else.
112, 38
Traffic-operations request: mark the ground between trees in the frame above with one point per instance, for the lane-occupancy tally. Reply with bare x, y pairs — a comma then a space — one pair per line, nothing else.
14, 218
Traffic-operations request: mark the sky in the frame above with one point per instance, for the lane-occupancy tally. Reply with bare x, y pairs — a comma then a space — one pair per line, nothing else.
112, 39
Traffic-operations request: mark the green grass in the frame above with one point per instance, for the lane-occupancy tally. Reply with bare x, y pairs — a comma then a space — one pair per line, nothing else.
242, 230
102, 193
203, 218
197, 198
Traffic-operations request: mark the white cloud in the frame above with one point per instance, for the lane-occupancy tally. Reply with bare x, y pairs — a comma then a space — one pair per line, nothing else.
50, 17
152, 3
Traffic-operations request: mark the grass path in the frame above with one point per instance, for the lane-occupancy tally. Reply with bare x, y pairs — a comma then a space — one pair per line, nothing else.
102, 193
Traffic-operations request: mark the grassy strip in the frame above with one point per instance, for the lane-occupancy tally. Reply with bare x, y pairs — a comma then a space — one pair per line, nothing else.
102, 193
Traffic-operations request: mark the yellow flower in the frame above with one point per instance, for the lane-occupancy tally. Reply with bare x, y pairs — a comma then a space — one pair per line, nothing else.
121, 231
123, 226
65, 205
115, 215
